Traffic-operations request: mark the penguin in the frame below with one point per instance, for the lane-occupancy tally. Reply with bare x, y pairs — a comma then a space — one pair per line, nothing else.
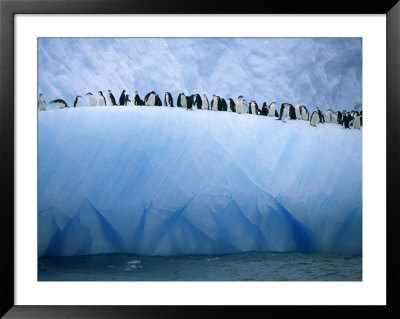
77, 101
239, 105
335, 118
137, 100
231, 105
357, 122
92, 99
224, 106
283, 112
353, 114
204, 102
216, 103
152, 99
347, 118
42, 103
168, 100
219, 104
158, 100
245, 107
189, 102
182, 101
292, 112
196, 101
321, 117
304, 113
344, 112
328, 116
264, 109
127, 100
314, 118
60, 103
272, 110
213, 103
340, 117
297, 111
253, 108
102, 99
122, 98
111, 98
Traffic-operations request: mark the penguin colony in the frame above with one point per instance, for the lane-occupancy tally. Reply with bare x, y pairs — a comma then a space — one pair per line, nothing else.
287, 111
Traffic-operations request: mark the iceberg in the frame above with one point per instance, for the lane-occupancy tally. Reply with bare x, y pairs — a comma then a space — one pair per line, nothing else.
168, 181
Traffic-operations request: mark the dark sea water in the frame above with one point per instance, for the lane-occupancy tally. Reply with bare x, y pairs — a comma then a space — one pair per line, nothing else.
249, 266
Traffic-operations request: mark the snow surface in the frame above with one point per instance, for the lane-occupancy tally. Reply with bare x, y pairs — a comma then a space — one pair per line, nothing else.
320, 72
166, 181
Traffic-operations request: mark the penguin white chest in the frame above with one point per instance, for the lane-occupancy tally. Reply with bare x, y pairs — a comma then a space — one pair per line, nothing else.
92, 100
205, 103
284, 114
151, 101
253, 108
357, 122
314, 119
215, 104
297, 110
42, 104
271, 111
239, 107
183, 101
304, 115
102, 100
328, 117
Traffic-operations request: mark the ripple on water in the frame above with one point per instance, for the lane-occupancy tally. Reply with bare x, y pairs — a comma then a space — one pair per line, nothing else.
252, 266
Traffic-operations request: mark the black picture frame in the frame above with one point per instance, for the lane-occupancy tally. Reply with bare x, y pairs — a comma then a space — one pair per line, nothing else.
9, 8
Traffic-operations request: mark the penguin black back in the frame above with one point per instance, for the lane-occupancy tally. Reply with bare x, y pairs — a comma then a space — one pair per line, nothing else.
292, 112
122, 98
224, 106
264, 109
60, 102
137, 100
231, 105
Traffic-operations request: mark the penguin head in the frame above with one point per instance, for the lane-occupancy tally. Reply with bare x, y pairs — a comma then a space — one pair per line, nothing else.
40, 95
109, 91
89, 93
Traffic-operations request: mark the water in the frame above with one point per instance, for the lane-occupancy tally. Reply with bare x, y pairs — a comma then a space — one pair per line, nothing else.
249, 266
